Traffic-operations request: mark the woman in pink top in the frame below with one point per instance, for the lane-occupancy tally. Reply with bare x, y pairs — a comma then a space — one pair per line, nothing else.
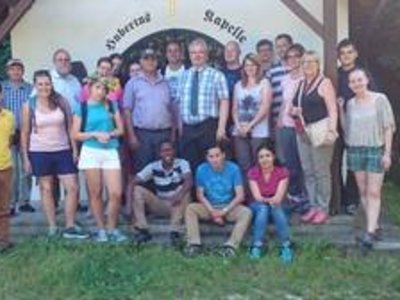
268, 185
286, 141
49, 151
104, 70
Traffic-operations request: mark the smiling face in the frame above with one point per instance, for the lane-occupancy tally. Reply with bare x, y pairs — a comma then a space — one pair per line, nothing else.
167, 154
310, 65
281, 46
198, 55
149, 64
266, 53
216, 158
293, 59
43, 86
348, 56
358, 81
250, 68
62, 63
174, 54
231, 53
97, 91
104, 69
265, 158
15, 73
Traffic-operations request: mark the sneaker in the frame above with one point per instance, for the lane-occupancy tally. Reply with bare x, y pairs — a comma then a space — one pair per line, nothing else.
26, 207
52, 232
309, 215
255, 252
367, 242
142, 236
101, 236
350, 209
115, 235
286, 254
227, 251
82, 208
176, 239
319, 218
13, 212
192, 250
74, 232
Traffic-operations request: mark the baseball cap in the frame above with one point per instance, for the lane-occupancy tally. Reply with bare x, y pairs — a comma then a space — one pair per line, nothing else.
14, 62
148, 53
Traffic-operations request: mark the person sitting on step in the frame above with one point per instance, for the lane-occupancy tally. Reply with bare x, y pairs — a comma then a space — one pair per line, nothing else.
172, 180
219, 189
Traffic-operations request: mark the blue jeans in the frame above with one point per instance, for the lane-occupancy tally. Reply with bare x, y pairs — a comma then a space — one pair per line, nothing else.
261, 214
289, 155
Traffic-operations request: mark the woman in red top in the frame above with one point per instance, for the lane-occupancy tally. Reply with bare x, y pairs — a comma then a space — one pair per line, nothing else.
268, 185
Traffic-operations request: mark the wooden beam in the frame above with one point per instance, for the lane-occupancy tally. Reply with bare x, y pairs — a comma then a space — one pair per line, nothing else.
304, 15
330, 38
14, 15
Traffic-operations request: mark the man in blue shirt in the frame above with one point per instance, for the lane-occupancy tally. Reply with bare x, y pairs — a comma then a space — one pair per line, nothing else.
219, 190
16, 92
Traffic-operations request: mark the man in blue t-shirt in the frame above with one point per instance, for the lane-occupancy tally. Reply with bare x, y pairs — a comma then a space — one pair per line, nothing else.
219, 190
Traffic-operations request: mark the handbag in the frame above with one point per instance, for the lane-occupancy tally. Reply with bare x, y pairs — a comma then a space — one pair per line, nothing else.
316, 132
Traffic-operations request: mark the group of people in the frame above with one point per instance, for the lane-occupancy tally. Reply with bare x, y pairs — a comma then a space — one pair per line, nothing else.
247, 144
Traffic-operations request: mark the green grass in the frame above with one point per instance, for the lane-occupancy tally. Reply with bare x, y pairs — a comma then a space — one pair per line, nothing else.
42, 269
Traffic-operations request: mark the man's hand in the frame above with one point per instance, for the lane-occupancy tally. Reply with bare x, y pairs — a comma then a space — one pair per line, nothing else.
221, 134
133, 142
218, 216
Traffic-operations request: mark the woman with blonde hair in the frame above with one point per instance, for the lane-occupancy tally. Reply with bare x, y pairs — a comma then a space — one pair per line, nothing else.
315, 110
368, 125
250, 111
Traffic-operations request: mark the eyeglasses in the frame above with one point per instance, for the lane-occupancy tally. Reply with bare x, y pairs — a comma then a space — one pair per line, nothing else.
309, 62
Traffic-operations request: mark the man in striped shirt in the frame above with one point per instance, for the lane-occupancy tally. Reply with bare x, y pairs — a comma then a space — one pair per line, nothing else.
275, 74
172, 180
16, 91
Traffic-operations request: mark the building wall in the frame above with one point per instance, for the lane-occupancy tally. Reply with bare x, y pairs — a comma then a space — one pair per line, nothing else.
87, 30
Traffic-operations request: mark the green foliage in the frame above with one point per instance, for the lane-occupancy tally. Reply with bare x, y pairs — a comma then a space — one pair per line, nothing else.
5, 55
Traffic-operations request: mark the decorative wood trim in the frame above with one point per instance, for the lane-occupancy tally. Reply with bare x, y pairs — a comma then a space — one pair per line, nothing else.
330, 39
304, 15
14, 15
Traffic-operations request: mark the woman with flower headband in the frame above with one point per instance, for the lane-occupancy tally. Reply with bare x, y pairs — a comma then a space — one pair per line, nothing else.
104, 70
98, 125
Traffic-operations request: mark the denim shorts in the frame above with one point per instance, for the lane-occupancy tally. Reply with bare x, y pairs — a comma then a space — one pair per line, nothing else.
52, 163
365, 159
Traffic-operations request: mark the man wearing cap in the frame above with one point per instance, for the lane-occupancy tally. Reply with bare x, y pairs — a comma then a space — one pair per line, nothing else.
203, 99
16, 91
148, 111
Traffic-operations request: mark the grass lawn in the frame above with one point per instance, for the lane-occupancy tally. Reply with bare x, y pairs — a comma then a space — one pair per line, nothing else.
42, 269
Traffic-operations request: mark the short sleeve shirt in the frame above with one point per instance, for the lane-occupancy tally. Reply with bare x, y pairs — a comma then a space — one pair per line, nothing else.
219, 185
6, 132
270, 187
98, 119
167, 182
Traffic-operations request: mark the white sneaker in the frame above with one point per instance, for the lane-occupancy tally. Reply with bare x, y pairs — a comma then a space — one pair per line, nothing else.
117, 236
101, 236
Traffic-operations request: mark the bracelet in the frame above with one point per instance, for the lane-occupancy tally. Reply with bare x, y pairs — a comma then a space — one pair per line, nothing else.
225, 210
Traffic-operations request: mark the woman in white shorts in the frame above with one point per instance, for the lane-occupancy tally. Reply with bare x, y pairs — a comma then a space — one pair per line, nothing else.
97, 125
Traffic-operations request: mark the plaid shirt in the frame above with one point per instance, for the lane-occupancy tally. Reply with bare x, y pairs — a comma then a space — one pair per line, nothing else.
212, 88
14, 97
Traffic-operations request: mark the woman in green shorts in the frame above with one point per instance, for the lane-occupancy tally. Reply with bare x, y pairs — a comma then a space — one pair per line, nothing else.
369, 125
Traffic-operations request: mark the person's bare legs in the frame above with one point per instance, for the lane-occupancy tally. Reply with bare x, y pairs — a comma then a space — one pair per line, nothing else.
95, 188
374, 188
360, 217
113, 182
70, 184
46, 193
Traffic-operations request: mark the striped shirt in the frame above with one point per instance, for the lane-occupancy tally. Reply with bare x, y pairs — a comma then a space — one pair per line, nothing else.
275, 75
167, 182
14, 97
212, 89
